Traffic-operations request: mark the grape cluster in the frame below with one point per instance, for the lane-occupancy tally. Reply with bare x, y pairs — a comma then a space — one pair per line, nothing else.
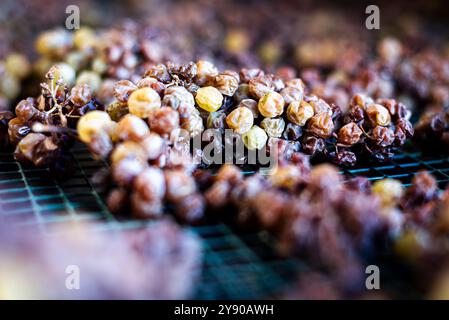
101, 57
310, 211
425, 75
145, 132
42, 129
415, 75
372, 129
262, 110
147, 173
336, 224
294, 118
151, 168
432, 130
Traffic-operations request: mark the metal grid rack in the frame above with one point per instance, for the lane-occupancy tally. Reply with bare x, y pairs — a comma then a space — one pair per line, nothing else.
237, 265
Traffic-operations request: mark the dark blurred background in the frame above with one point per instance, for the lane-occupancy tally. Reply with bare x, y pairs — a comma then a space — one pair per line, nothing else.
283, 21
329, 35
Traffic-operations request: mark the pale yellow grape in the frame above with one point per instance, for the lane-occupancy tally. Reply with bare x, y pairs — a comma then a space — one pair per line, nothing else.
299, 112
128, 149
271, 105
17, 65
64, 72
255, 138
143, 101
92, 79
91, 124
209, 99
84, 38
389, 191
240, 120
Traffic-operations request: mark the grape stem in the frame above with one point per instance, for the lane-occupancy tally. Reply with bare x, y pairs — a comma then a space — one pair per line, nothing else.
40, 128
53, 91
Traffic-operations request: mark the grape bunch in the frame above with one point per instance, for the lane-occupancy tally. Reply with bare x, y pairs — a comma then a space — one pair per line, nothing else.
147, 174
145, 133
337, 222
432, 130
371, 129
100, 57
42, 130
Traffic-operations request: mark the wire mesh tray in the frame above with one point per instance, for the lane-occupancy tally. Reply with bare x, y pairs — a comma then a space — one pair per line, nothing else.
238, 265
